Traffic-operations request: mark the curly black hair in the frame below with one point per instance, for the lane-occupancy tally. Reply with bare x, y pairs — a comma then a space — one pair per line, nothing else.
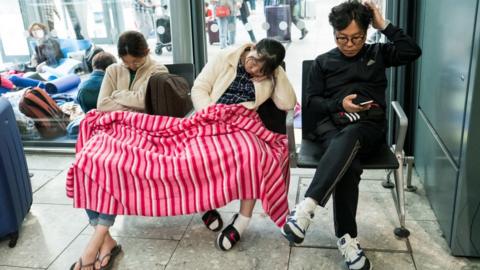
342, 15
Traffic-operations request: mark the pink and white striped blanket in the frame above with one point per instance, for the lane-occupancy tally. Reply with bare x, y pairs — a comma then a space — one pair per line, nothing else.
138, 164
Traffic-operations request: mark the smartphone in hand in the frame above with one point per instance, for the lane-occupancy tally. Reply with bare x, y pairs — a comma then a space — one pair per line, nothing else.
362, 100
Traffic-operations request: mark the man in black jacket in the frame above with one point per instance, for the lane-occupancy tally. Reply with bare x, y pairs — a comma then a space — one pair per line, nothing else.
346, 86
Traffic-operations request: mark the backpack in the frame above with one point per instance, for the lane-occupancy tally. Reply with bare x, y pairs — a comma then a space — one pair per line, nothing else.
49, 119
168, 94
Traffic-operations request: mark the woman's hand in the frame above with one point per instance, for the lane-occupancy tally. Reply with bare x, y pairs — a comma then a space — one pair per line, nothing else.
378, 21
350, 107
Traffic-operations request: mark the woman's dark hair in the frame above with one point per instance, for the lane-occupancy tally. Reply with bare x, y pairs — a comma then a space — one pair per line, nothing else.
272, 53
102, 60
132, 43
342, 15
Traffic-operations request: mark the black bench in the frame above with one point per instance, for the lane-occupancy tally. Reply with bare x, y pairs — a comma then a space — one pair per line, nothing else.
387, 158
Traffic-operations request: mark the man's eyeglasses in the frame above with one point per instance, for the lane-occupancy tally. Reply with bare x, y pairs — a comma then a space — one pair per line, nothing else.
343, 40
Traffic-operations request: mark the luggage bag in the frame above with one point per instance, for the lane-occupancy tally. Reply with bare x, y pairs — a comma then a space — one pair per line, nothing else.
15, 186
279, 21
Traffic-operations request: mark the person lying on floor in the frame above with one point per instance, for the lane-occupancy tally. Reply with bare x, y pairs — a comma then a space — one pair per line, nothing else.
248, 75
124, 85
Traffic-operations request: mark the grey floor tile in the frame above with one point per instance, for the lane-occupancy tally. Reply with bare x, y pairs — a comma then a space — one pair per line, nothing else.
53, 192
430, 249
16, 268
417, 206
302, 172
47, 162
369, 185
261, 247
390, 260
376, 220
44, 234
293, 190
40, 177
320, 258
315, 258
137, 253
165, 228
375, 175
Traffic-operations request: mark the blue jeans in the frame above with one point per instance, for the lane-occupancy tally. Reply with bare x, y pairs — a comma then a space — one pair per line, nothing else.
252, 4
223, 28
96, 218
227, 28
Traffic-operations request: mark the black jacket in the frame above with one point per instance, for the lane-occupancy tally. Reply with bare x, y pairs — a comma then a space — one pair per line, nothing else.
334, 76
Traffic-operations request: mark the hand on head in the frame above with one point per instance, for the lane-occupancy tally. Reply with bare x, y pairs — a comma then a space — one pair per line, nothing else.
378, 22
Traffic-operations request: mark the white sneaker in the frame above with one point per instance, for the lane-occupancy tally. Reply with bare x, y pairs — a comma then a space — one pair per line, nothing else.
352, 252
297, 224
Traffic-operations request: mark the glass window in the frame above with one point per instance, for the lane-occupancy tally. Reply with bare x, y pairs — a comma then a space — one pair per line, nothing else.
71, 29
61, 45
291, 22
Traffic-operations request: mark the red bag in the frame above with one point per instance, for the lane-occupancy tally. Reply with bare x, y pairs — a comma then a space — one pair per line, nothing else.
49, 119
222, 11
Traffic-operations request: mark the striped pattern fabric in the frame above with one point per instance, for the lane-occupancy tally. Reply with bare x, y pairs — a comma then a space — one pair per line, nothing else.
137, 164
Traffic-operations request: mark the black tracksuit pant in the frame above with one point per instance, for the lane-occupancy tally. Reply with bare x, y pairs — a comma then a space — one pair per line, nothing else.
339, 170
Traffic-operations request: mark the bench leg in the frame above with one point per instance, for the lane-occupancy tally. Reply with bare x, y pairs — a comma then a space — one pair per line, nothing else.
401, 231
410, 187
388, 183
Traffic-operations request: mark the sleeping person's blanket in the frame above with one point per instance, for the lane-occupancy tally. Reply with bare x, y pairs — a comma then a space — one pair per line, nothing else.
131, 163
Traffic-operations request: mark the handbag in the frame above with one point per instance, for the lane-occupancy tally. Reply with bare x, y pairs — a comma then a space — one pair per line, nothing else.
222, 11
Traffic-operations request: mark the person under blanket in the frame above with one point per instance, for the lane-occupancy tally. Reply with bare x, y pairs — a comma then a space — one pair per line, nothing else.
248, 75
124, 84
123, 89
130, 163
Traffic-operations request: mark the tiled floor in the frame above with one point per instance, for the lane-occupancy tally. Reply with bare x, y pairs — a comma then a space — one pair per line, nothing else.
54, 233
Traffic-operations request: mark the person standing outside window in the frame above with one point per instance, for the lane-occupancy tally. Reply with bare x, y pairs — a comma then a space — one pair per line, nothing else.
143, 10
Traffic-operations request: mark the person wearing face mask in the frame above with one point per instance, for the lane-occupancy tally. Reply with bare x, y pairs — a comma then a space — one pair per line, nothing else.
348, 80
248, 75
124, 85
47, 49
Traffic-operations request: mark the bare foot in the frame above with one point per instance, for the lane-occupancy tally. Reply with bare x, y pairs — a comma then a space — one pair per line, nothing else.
88, 258
108, 244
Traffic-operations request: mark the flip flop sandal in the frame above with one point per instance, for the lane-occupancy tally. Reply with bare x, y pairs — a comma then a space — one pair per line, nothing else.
230, 234
112, 255
209, 219
83, 266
